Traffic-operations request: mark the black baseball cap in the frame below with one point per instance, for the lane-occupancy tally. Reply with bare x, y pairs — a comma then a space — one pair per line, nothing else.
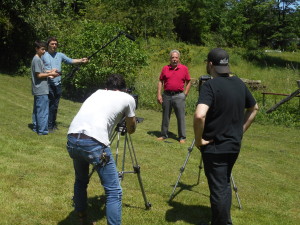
220, 59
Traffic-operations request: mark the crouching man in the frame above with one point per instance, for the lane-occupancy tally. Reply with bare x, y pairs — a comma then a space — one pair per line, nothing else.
88, 143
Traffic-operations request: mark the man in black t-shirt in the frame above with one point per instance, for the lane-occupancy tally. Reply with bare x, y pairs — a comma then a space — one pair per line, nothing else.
225, 110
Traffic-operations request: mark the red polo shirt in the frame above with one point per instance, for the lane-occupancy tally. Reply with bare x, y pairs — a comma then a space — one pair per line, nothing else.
174, 79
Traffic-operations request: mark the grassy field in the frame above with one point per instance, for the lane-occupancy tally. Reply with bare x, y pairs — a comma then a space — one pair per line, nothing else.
36, 177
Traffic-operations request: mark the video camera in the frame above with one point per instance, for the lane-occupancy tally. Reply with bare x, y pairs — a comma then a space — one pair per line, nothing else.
202, 80
135, 96
121, 126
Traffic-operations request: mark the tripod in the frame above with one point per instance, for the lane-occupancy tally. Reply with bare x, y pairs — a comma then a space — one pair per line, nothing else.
120, 130
190, 149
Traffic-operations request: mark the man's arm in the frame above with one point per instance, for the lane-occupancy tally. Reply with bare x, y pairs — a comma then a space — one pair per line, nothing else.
83, 60
249, 116
199, 121
130, 124
159, 89
188, 84
51, 73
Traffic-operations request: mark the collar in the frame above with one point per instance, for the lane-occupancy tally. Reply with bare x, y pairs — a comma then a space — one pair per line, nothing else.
176, 68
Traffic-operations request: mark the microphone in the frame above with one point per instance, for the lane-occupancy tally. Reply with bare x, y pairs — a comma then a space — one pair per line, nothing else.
128, 36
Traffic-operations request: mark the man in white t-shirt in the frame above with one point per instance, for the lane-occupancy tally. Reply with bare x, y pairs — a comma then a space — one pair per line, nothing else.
89, 143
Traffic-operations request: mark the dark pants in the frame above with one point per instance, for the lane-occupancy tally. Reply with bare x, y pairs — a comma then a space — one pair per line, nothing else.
177, 102
55, 92
218, 169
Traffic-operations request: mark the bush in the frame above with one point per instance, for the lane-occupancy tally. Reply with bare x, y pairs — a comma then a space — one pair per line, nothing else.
110, 51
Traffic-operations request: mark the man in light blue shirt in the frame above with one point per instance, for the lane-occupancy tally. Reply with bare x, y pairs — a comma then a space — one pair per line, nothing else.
52, 60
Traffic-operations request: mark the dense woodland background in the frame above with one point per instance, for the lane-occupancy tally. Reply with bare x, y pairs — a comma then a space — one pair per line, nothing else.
246, 23
84, 26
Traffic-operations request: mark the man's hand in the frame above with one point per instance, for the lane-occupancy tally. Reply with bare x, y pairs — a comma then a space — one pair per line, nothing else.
159, 99
130, 124
159, 88
84, 60
202, 142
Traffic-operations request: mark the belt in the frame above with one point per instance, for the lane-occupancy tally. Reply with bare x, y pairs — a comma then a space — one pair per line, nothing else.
80, 136
172, 92
84, 136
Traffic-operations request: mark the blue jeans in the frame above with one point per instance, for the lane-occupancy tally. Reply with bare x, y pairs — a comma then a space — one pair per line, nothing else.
40, 114
88, 151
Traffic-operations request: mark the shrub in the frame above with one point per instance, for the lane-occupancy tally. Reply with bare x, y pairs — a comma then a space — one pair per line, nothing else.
114, 53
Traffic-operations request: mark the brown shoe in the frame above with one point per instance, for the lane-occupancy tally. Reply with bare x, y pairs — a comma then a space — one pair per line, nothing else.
161, 138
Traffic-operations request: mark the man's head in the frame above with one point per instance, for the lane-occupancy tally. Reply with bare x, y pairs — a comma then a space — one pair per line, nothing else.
115, 82
52, 44
40, 47
174, 58
217, 61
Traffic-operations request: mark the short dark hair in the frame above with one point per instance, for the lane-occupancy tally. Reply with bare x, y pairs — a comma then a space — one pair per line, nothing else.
51, 39
115, 82
39, 44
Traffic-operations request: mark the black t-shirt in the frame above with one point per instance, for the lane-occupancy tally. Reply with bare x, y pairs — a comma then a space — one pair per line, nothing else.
227, 98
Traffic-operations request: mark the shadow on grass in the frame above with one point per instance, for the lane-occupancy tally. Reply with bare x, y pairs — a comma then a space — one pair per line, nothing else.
184, 187
96, 211
158, 134
191, 214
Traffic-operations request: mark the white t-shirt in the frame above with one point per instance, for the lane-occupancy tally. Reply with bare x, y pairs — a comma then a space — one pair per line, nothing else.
100, 113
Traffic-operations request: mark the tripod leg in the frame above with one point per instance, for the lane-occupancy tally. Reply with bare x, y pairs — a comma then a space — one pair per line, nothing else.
117, 150
190, 149
121, 174
137, 169
200, 167
236, 191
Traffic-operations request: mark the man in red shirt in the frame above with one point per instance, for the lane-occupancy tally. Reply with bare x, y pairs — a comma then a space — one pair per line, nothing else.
175, 79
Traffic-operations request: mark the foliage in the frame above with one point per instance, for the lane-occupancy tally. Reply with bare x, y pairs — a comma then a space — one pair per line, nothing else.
286, 115
25, 21
111, 53
142, 18
225, 23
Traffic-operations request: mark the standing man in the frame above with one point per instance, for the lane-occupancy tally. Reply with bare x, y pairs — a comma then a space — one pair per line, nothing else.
224, 112
40, 90
88, 143
52, 60
175, 79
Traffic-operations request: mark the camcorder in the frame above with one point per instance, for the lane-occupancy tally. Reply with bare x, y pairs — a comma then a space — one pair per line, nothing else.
202, 80
135, 96
121, 126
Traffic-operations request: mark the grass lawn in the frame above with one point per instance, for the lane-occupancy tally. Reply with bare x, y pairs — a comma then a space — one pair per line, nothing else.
36, 178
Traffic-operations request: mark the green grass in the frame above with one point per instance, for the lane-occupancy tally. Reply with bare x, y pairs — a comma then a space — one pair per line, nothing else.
37, 177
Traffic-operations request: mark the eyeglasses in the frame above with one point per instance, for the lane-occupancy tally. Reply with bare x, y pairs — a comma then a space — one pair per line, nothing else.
53, 44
